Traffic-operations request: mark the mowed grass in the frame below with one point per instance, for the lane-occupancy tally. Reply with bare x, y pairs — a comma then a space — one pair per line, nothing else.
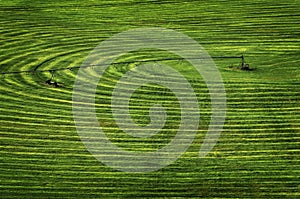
257, 154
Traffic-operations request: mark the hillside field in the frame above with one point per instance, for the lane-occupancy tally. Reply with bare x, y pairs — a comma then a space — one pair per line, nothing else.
258, 152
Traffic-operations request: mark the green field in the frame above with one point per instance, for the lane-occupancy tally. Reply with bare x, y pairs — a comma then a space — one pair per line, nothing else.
258, 152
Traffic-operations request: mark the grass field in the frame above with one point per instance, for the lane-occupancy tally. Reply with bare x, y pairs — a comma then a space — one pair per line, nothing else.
257, 154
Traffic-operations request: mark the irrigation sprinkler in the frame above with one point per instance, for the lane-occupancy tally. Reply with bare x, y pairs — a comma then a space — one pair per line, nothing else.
244, 66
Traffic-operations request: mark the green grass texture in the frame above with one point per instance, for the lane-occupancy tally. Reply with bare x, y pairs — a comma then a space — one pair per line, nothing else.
258, 152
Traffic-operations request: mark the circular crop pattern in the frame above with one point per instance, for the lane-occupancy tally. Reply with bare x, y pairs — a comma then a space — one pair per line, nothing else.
105, 54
